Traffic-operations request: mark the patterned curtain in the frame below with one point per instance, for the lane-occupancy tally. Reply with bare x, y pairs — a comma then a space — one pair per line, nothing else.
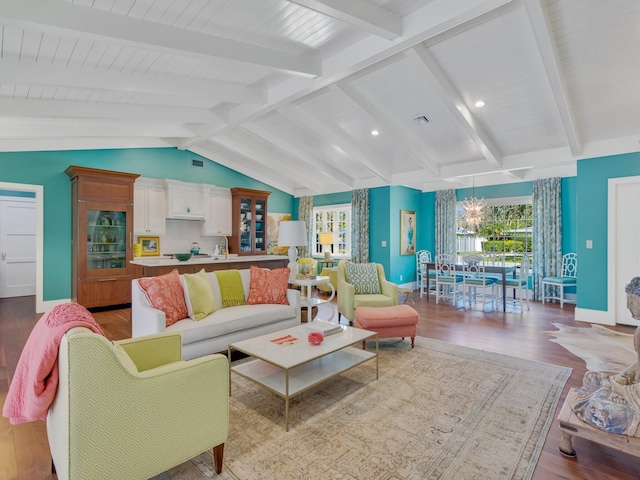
446, 222
360, 226
547, 232
305, 212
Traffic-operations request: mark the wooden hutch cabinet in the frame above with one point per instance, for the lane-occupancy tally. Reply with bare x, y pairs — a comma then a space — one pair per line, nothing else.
248, 222
102, 236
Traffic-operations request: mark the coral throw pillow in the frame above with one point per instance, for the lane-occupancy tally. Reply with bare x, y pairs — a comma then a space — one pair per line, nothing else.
268, 286
165, 293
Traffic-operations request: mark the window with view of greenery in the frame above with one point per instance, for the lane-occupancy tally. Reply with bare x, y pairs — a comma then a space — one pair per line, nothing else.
505, 234
336, 219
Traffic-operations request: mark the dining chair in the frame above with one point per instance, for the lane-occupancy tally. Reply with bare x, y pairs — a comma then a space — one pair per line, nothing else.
567, 278
519, 285
476, 282
447, 280
422, 274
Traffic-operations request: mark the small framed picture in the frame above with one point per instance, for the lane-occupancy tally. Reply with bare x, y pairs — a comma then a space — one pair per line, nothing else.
407, 232
150, 246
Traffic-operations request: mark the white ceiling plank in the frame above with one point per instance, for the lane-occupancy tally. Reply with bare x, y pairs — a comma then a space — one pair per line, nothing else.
360, 14
268, 177
23, 72
429, 21
310, 160
352, 96
72, 143
258, 157
544, 38
95, 129
64, 17
433, 74
336, 137
17, 107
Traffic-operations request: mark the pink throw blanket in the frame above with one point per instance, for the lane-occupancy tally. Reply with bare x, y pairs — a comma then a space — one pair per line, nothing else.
35, 380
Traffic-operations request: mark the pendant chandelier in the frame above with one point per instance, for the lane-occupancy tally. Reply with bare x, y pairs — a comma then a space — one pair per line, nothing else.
473, 211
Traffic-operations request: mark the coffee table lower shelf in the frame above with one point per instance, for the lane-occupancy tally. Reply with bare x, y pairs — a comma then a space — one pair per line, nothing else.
288, 383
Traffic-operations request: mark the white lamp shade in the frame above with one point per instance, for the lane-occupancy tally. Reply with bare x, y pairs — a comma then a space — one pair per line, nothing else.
292, 234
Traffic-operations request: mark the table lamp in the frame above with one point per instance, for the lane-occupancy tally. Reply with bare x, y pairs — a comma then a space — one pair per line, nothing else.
326, 238
293, 234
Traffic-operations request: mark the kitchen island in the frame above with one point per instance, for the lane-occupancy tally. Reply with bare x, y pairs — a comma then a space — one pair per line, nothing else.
154, 266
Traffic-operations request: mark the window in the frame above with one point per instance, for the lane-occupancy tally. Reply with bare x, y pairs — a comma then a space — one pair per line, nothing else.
335, 219
505, 234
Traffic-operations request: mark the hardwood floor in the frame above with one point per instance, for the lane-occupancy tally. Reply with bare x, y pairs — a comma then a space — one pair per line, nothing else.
24, 451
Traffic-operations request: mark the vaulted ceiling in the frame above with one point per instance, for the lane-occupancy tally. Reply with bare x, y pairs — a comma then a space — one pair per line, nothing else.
289, 91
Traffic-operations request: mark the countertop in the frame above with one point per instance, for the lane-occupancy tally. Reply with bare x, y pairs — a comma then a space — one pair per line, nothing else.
166, 261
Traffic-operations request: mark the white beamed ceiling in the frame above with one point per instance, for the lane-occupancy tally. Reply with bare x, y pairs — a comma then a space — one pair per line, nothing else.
288, 91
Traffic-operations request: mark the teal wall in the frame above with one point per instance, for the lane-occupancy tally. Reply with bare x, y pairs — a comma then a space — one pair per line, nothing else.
47, 169
592, 204
380, 227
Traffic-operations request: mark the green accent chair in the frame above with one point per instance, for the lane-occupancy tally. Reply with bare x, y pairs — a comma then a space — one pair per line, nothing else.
348, 301
133, 409
308, 264
332, 273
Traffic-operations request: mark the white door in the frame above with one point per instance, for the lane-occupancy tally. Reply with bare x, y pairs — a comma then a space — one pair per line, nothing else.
624, 254
17, 248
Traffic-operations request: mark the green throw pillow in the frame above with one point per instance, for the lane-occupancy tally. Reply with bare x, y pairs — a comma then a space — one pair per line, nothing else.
363, 277
200, 294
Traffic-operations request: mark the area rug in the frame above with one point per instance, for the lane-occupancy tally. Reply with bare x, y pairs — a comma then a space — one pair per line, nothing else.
602, 349
438, 411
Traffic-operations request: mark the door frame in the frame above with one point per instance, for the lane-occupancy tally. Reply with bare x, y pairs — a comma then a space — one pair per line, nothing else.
38, 190
612, 214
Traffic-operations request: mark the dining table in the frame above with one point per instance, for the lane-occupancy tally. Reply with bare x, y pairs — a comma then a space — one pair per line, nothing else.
501, 269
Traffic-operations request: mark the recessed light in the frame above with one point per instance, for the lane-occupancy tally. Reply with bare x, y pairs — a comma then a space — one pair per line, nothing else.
480, 104
375, 132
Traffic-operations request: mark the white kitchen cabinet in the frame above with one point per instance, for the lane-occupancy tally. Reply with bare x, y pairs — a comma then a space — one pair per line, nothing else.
149, 207
185, 200
217, 214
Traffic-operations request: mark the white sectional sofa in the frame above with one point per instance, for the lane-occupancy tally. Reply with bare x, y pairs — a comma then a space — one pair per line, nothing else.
215, 332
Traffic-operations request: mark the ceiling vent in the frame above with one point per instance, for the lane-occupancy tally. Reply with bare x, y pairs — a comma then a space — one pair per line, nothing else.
195, 162
421, 120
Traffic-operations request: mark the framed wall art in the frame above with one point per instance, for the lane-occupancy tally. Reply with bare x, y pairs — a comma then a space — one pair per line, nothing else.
407, 232
150, 246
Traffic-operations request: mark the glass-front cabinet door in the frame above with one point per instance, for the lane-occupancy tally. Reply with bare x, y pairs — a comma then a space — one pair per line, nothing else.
246, 224
260, 226
104, 240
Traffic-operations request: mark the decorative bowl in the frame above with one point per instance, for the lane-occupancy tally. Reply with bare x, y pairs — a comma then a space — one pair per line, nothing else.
183, 257
315, 338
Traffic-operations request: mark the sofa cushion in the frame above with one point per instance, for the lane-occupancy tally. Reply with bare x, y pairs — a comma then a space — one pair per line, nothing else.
165, 293
377, 300
231, 287
231, 319
268, 286
199, 295
363, 277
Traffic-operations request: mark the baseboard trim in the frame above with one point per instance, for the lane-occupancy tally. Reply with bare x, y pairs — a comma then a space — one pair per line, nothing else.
49, 304
602, 317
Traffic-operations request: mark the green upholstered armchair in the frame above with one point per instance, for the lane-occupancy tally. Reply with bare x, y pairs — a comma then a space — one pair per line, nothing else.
348, 301
133, 409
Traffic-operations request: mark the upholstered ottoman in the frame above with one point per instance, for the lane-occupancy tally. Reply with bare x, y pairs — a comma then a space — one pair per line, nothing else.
388, 322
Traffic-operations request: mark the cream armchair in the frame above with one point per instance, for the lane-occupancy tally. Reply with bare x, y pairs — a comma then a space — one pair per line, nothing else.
133, 409
348, 301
